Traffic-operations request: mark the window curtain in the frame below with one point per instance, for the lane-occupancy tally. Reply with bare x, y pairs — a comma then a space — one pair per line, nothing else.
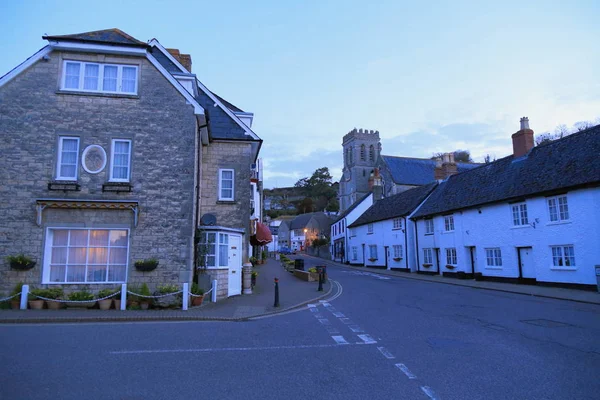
128, 80
110, 78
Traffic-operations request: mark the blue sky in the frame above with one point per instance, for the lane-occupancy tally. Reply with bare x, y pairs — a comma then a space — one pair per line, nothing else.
430, 76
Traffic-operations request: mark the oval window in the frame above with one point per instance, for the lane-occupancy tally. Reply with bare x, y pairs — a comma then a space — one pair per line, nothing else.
93, 160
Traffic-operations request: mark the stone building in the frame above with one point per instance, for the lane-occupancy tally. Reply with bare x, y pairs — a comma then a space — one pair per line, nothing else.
113, 152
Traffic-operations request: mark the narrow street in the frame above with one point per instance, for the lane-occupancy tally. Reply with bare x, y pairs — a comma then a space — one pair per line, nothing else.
376, 337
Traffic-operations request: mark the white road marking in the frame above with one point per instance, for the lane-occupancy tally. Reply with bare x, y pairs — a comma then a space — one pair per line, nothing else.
314, 309
323, 301
324, 321
311, 305
331, 330
427, 390
406, 371
339, 340
367, 339
318, 315
326, 304
346, 321
386, 353
216, 350
338, 314
355, 328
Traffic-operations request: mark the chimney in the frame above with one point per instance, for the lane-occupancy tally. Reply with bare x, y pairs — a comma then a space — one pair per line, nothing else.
523, 139
184, 59
376, 185
444, 167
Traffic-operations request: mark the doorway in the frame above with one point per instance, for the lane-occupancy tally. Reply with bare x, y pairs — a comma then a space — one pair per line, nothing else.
234, 286
526, 267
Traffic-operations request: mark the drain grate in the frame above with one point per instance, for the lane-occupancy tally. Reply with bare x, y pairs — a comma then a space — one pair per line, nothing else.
546, 323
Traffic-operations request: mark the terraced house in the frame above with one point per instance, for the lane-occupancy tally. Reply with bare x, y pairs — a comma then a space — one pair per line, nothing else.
114, 151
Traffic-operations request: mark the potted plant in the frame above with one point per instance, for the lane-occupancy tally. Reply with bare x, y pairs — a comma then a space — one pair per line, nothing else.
54, 294
397, 259
15, 302
264, 255
372, 259
133, 301
198, 293
254, 261
427, 265
146, 265
81, 299
34, 302
20, 262
169, 296
253, 276
103, 302
145, 301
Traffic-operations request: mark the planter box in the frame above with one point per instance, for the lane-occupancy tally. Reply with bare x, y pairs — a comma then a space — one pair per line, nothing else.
20, 266
105, 304
53, 305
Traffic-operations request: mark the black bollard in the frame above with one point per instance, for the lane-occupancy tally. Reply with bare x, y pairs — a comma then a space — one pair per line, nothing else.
276, 304
320, 289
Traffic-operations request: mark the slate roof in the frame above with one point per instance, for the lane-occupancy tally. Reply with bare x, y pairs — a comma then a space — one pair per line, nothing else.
301, 220
416, 171
563, 164
164, 61
352, 207
105, 36
398, 205
227, 104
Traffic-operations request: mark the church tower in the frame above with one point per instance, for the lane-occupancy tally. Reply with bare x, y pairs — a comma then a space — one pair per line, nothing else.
361, 149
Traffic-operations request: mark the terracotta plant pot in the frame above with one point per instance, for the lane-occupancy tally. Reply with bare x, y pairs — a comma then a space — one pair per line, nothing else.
144, 305
80, 304
117, 303
15, 304
36, 304
105, 304
197, 301
53, 305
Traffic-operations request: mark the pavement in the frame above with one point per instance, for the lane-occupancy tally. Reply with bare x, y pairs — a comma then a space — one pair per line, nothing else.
577, 295
293, 293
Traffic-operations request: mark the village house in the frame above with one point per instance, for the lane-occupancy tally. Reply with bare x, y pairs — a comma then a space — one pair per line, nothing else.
112, 152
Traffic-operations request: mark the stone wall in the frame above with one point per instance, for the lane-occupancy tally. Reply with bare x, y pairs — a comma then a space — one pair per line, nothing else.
162, 127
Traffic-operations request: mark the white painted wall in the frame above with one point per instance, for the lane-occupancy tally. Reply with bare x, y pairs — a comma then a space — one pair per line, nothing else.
347, 220
384, 236
491, 226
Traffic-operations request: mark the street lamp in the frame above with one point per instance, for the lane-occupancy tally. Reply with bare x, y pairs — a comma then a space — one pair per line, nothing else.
305, 239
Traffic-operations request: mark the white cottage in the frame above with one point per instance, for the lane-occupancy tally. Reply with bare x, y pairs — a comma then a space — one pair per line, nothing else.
530, 217
340, 234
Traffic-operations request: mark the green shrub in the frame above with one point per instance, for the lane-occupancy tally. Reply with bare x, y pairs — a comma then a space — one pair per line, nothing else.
313, 269
196, 290
53, 293
144, 290
33, 293
82, 295
167, 288
17, 289
107, 292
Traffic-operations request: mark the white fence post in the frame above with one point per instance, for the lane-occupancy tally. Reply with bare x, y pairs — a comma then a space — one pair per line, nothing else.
24, 294
186, 296
123, 296
213, 294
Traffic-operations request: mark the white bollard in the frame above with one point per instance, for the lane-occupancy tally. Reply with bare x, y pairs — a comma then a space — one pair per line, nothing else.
24, 294
123, 296
213, 294
186, 296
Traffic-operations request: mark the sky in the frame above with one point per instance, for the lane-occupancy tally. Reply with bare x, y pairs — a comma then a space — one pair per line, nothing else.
431, 76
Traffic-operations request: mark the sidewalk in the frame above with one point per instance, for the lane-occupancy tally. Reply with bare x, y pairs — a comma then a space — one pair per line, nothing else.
293, 293
581, 296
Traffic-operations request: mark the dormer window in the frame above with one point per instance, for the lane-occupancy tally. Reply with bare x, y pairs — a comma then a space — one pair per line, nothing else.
99, 78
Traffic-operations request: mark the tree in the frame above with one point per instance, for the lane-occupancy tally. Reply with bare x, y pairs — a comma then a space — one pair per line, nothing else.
459, 156
488, 159
582, 126
320, 190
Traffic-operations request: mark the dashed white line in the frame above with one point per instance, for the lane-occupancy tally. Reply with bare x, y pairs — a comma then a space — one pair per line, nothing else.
331, 330
339, 340
314, 309
338, 314
386, 353
324, 321
346, 321
355, 328
311, 305
367, 339
429, 392
406, 371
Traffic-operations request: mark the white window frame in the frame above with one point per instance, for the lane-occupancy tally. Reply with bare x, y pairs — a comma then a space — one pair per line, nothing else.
369, 229
451, 258
221, 239
561, 211
398, 253
373, 251
397, 223
59, 159
354, 253
448, 223
428, 256
48, 256
429, 226
560, 259
221, 197
99, 88
493, 257
519, 216
112, 160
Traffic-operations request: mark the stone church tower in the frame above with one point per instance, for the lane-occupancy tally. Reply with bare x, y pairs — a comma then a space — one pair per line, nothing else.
361, 148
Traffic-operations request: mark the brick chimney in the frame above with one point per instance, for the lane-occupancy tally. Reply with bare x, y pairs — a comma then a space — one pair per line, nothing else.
376, 185
184, 59
444, 167
523, 139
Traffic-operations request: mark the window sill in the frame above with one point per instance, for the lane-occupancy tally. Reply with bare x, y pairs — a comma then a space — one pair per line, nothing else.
81, 283
492, 267
397, 259
429, 234
427, 265
396, 229
444, 232
65, 186
450, 266
520, 226
98, 94
226, 202
372, 259
568, 221
563, 268
117, 187
369, 233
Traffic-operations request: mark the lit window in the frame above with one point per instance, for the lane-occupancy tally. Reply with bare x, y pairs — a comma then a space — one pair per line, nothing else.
86, 256
373, 252
493, 257
398, 251
397, 223
563, 256
427, 256
101, 78
519, 214
120, 160
68, 157
558, 208
226, 184
429, 226
449, 223
451, 256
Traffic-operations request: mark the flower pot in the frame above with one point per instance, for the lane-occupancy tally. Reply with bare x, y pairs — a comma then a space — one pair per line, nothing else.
117, 303
146, 266
197, 301
80, 304
22, 266
144, 305
53, 305
15, 304
36, 304
105, 304
167, 301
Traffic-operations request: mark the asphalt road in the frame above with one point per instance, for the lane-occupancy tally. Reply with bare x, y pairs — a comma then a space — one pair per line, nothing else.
377, 338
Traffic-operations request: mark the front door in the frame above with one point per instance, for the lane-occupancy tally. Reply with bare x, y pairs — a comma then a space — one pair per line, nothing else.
235, 265
526, 267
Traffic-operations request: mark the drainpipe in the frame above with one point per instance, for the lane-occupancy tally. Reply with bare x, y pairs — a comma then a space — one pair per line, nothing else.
198, 185
417, 244
406, 244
